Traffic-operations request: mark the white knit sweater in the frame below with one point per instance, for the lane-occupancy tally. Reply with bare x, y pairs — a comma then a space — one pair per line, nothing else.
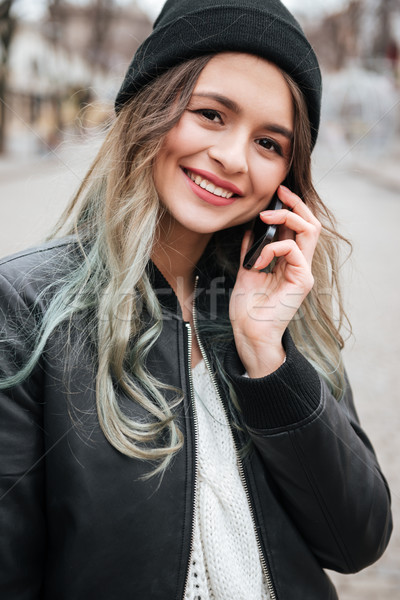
225, 561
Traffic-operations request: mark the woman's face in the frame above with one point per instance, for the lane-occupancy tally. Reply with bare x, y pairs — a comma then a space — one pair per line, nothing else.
222, 162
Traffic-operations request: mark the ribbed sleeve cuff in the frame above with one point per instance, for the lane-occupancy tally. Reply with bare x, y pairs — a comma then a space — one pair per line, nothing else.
282, 399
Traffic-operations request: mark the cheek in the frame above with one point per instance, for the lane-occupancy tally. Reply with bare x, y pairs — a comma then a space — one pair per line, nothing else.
267, 176
265, 182
185, 139
259, 206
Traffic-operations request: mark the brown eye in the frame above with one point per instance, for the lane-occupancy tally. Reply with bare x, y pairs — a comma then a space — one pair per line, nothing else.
210, 115
269, 145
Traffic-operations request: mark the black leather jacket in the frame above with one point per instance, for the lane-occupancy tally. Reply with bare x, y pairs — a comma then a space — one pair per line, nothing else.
77, 522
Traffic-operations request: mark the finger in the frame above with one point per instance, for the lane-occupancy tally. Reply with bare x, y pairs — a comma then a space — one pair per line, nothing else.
288, 218
307, 234
296, 204
287, 249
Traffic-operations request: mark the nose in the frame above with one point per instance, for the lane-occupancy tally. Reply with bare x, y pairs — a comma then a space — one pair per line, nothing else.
230, 151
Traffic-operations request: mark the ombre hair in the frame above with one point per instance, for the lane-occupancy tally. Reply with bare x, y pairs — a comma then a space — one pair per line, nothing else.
118, 197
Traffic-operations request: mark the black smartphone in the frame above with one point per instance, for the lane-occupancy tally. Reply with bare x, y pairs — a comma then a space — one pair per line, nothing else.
263, 234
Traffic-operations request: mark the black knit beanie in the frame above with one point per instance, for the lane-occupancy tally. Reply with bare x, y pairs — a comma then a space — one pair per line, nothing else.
189, 28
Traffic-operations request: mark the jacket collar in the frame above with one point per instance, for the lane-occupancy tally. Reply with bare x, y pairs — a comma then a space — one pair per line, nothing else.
165, 294
213, 287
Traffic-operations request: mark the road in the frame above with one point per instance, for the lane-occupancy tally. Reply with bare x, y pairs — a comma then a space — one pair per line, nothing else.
33, 194
369, 214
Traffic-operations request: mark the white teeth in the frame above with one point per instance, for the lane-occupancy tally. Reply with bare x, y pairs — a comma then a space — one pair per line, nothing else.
207, 185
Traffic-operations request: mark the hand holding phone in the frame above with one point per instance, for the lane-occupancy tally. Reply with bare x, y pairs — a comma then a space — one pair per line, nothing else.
263, 235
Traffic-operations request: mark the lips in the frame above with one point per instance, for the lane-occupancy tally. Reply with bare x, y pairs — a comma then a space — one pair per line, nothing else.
208, 190
205, 184
212, 182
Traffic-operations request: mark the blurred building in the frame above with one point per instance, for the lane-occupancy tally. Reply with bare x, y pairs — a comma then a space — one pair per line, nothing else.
365, 32
380, 34
103, 32
73, 58
335, 37
358, 50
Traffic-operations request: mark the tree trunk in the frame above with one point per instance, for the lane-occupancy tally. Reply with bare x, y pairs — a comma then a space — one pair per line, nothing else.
7, 27
383, 27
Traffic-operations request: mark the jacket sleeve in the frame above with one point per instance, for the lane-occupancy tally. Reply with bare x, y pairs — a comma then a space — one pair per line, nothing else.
22, 523
320, 458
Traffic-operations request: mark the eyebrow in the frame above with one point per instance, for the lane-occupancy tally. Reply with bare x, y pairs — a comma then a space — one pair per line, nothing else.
231, 105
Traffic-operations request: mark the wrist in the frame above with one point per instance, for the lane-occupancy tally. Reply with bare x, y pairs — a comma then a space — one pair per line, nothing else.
262, 363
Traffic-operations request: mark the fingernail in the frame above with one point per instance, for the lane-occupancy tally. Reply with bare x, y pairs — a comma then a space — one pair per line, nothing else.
284, 188
258, 262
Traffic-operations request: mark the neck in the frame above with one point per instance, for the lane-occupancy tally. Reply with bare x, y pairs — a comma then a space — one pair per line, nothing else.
176, 255
178, 250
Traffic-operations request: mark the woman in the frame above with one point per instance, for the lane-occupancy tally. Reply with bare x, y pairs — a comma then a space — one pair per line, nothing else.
173, 424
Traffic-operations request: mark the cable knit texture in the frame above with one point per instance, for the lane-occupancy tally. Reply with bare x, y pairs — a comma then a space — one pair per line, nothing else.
225, 560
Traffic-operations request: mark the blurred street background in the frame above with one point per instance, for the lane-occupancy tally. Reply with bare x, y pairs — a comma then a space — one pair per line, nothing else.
61, 64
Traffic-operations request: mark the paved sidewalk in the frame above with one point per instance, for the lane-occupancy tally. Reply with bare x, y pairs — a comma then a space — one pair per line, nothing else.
369, 214
383, 170
34, 191
380, 168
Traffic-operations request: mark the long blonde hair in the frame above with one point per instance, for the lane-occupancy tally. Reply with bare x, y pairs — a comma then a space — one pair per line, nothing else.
316, 329
114, 216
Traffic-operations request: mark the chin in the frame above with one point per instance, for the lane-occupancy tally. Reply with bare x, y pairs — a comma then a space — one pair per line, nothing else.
203, 228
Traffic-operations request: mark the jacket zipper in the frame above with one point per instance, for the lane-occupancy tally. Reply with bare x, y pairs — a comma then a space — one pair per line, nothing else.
195, 437
239, 461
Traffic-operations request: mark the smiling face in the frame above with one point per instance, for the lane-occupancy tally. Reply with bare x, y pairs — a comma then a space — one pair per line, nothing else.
222, 162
